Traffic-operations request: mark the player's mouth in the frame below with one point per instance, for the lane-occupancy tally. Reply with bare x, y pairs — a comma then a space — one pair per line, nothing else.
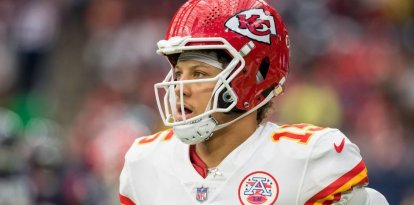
187, 113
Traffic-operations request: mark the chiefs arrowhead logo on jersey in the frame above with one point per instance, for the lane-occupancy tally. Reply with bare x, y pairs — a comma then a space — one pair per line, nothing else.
254, 24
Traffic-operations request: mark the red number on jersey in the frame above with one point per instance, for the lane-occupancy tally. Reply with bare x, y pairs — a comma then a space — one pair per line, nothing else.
168, 135
297, 132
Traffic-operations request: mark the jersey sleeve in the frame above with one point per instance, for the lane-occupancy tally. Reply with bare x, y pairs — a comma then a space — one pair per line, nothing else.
334, 168
126, 190
136, 159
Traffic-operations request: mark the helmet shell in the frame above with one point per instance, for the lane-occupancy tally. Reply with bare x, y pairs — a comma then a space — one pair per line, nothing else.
240, 22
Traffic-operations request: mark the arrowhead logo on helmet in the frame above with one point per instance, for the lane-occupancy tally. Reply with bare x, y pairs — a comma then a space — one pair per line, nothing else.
254, 24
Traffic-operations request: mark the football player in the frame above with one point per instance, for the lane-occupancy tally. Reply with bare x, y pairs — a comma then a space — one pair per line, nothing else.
229, 58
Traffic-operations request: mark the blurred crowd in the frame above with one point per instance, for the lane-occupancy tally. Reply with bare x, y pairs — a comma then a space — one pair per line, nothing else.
76, 88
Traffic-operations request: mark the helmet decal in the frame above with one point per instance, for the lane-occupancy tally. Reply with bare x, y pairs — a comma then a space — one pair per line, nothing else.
254, 24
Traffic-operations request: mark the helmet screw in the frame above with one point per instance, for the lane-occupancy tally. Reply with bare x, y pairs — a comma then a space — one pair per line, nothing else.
246, 104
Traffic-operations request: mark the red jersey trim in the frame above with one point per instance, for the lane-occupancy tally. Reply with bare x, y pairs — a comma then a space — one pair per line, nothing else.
149, 139
168, 135
125, 200
357, 176
197, 162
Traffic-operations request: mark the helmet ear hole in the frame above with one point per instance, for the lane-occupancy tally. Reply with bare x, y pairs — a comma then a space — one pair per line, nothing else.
225, 99
262, 72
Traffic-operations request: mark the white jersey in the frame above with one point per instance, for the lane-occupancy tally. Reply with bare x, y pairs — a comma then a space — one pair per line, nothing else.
280, 165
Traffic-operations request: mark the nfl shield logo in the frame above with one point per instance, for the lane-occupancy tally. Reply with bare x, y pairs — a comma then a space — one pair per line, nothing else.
202, 193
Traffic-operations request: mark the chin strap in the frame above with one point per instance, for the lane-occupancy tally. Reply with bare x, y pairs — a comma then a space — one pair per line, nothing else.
196, 132
202, 129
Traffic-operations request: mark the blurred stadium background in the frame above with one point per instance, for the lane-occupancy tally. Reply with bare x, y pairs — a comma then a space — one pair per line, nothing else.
76, 87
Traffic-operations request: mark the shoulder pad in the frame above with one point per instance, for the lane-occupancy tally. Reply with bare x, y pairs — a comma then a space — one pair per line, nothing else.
145, 145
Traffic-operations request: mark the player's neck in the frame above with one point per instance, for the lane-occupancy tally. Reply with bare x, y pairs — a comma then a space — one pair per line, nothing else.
225, 140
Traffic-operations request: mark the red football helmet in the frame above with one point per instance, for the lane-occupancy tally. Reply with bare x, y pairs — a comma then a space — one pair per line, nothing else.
253, 35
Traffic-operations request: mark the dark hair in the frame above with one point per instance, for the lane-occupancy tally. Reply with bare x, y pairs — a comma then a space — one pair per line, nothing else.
223, 57
263, 111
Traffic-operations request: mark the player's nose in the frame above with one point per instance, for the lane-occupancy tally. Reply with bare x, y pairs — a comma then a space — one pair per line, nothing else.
184, 88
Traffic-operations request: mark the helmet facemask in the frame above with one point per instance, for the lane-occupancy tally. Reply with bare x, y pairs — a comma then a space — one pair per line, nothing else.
200, 127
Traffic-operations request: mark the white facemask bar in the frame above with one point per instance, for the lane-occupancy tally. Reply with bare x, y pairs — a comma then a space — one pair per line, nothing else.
177, 45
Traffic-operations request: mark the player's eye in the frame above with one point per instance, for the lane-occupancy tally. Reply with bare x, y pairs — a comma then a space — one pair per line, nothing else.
198, 74
177, 75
